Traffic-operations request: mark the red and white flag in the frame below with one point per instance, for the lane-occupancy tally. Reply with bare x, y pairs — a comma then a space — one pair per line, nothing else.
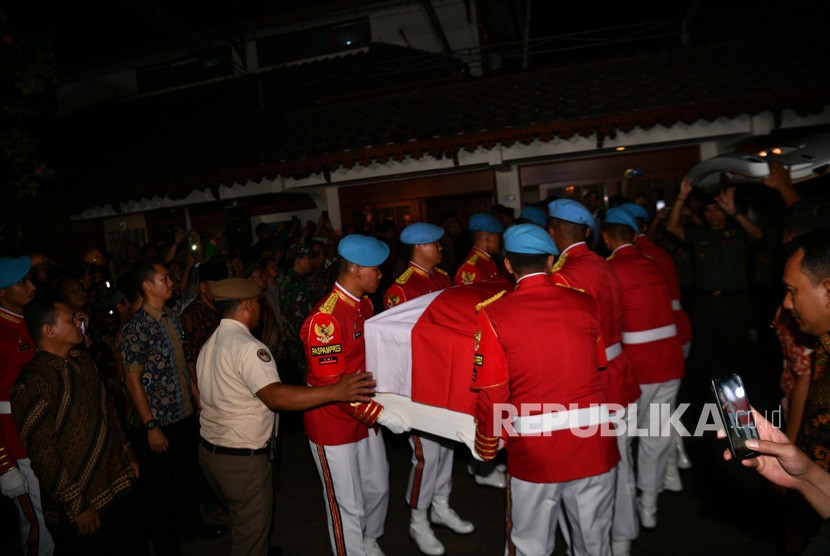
424, 349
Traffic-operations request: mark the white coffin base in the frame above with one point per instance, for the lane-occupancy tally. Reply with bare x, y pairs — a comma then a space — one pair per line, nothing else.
429, 418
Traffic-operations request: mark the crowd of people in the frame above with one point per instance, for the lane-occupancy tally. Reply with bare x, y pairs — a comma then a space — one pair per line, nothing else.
140, 390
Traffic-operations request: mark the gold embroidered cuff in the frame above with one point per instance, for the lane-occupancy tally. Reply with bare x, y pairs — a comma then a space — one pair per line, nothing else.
486, 446
367, 413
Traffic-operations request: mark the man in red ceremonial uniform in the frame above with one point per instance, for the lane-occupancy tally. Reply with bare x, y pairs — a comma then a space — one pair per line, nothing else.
557, 456
430, 479
678, 459
17, 480
479, 265
650, 339
346, 444
580, 267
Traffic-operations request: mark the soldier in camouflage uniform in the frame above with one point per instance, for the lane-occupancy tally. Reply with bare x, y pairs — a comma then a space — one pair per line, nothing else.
296, 301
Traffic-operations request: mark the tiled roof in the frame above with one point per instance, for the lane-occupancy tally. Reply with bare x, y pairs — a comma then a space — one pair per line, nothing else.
315, 118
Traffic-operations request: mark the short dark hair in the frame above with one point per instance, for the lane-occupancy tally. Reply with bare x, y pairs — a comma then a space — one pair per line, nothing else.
144, 270
40, 312
525, 263
567, 225
227, 306
816, 260
618, 231
343, 266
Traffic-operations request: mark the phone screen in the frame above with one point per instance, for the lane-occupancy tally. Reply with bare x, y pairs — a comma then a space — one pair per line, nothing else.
736, 415
661, 204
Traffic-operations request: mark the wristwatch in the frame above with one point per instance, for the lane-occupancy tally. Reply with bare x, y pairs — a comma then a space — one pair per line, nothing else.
151, 424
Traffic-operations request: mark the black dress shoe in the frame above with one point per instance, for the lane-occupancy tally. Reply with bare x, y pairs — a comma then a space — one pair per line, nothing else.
208, 531
203, 531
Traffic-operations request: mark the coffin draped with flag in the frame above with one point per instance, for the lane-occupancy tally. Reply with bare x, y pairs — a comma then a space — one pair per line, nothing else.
421, 353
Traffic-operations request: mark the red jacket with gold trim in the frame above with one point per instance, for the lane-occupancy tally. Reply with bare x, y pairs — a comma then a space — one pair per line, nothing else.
16, 349
540, 344
477, 267
647, 306
666, 264
413, 282
334, 345
580, 267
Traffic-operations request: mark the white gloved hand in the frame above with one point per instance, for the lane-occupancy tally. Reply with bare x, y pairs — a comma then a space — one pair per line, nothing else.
471, 444
393, 422
13, 483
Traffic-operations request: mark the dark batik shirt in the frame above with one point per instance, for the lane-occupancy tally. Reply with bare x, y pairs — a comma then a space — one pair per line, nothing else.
152, 345
199, 320
69, 426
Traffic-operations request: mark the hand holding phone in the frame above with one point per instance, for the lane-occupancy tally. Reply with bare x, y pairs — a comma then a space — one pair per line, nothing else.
736, 415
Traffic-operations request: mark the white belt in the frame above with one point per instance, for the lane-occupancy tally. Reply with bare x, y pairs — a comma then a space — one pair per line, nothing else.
651, 335
561, 420
613, 351
675, 305
5, 408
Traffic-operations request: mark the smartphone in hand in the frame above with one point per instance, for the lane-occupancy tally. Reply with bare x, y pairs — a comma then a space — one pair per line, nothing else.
736, 415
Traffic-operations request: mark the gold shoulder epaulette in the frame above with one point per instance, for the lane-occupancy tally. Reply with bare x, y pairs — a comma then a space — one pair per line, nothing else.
405, 276
570, 287
473, 259
328, 305
442, 271
487, 302
560, 262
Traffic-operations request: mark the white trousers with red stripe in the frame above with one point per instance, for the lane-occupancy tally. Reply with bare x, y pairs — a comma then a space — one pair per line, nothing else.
33, 532
355, 481
431, 473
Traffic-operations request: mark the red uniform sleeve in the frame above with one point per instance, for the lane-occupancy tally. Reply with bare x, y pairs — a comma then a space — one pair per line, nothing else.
490, 379
394, 296
467, 274
490, 365
326, 362
7, 462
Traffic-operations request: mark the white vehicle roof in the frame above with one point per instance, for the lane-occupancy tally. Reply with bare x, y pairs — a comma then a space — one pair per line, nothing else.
806, 159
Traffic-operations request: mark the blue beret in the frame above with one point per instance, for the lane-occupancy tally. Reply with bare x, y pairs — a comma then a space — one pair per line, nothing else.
635, 210
534, 214
362, 250
619, 215
530, 239
571, 211
485, 222
13, 270
420, 233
